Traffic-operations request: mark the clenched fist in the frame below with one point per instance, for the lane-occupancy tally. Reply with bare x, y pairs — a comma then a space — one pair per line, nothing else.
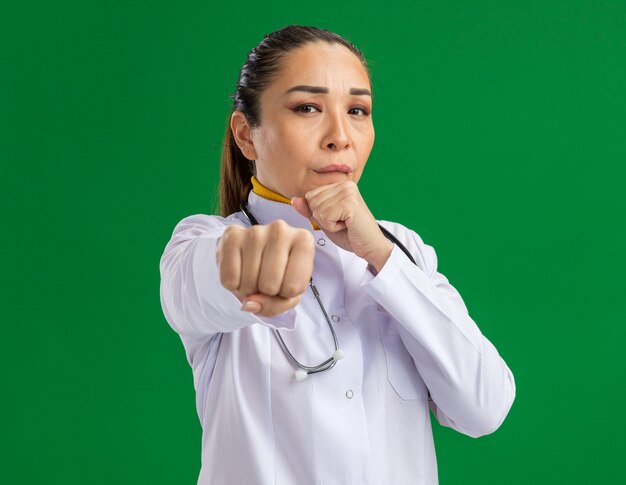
267, 267
345, 218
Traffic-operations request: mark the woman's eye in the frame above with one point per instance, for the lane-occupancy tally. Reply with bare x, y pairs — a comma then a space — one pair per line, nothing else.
359, 111
306, 108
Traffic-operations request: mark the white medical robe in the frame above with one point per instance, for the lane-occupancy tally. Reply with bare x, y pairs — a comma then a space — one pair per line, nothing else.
409, 345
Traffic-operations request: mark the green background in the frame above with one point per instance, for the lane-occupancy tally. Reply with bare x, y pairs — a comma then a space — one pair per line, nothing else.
500, 139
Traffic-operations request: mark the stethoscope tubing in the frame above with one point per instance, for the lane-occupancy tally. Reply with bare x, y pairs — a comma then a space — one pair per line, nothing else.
330, 362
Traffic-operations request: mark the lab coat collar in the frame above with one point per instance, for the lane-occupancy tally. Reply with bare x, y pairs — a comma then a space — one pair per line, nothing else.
266, 211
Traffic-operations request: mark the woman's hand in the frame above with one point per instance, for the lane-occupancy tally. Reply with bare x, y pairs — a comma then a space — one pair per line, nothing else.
267, 267
340, 211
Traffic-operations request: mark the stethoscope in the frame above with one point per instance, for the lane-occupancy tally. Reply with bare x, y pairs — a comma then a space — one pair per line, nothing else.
303, 371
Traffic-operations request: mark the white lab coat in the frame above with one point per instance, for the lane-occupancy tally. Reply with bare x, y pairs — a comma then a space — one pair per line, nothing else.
409, 342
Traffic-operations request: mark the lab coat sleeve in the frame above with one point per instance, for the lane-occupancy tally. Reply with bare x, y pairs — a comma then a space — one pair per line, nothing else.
194, 302
471, 387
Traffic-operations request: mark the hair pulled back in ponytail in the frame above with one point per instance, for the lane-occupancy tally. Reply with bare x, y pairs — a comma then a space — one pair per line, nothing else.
259, 70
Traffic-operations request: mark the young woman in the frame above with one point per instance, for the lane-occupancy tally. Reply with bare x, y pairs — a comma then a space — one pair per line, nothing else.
319, 337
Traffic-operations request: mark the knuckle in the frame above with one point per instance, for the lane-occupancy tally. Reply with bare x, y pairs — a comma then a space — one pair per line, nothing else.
279, 226
229, 280
230, 283
304, 251
269, 287
304, 237
230, 239
290, 290
231, 232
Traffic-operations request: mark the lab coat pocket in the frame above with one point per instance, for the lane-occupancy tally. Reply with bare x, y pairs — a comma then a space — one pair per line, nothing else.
401, 371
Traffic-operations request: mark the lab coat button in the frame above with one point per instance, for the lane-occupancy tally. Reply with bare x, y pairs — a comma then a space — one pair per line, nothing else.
321, 241
335, 318
349, 393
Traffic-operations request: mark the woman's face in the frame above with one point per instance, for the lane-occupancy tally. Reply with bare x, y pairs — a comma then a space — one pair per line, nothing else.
316, 125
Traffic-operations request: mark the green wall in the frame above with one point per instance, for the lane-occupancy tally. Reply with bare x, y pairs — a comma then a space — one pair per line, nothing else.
509, 116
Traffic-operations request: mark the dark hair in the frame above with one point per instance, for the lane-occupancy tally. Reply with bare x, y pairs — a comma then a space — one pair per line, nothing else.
259, 70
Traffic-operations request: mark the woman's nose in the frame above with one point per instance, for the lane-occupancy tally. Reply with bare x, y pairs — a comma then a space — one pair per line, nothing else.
337, 134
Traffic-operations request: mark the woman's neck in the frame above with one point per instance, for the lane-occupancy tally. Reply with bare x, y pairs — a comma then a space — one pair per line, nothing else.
262, 191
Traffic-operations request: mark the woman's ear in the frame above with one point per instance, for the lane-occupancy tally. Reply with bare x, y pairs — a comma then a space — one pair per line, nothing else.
241, 133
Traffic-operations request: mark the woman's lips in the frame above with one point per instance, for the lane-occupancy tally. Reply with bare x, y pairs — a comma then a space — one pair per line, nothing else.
334, 168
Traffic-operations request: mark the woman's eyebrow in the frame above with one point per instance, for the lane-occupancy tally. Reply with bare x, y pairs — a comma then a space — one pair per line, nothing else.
321, 90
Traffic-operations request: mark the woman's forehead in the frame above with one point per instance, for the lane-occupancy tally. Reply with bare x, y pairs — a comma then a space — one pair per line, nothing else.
321, 64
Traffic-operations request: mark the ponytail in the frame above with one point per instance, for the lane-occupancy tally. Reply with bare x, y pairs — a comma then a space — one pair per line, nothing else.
235, 174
